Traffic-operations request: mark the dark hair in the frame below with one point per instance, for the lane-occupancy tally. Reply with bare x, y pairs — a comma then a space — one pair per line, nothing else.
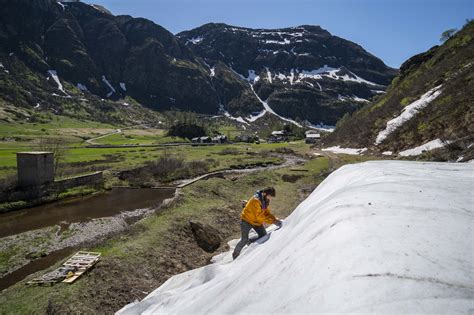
269, 191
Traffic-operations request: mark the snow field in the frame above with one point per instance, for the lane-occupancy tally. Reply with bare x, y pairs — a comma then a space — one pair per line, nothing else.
375, 237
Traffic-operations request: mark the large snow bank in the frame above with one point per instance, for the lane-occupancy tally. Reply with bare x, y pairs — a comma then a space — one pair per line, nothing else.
376, 237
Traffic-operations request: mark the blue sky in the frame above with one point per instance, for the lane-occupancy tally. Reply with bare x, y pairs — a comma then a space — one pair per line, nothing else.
391, 30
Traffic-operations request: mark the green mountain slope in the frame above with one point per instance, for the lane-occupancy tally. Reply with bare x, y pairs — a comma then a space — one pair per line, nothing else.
447, 70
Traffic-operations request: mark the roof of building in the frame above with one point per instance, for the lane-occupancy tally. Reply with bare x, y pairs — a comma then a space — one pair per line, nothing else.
35, 153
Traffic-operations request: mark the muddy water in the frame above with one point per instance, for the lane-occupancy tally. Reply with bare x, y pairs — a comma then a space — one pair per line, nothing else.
81, 209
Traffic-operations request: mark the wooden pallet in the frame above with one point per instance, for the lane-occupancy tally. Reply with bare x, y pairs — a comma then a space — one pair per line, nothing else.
80, 262
83, 261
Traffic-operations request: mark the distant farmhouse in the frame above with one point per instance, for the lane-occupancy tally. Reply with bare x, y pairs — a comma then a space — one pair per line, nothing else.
278, 136
201, 140
247, 138
312, 136
205, 140
219, 139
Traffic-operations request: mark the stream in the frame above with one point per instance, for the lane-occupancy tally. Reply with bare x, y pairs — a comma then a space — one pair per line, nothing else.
90, 216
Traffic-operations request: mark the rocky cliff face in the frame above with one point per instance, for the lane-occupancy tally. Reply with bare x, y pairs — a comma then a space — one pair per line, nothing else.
110, 56
431, 99
71, 49
303, 73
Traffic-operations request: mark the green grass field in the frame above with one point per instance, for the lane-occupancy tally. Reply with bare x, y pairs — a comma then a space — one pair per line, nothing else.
18, 137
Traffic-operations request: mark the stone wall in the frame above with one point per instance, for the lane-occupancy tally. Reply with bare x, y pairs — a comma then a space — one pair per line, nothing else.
35, 192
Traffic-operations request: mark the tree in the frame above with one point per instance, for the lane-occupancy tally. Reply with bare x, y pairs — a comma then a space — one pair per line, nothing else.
55, 145
448, 34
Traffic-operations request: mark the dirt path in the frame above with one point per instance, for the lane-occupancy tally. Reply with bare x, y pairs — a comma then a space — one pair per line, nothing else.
290, 160
116, 131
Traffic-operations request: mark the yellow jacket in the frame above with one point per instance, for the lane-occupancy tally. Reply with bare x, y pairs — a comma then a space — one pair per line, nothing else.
255, 215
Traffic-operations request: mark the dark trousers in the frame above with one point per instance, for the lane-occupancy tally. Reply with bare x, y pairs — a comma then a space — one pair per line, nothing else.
244, 239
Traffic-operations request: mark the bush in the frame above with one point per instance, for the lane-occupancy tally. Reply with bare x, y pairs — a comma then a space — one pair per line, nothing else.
8, 183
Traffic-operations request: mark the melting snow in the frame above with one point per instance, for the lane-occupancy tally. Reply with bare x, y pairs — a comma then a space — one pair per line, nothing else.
112, 90
320, 87
228, 115
297, 75
387, 153
380, 237
55, 77
255, 117
338, 149
62, 5
81, 87
359, 99
408, 112
252, 77
269, 76
213, 72
424, 147
321, 126
284, 42
268, 109
195, 40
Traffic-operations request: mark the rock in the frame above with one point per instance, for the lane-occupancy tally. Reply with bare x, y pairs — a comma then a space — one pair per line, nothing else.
206, 236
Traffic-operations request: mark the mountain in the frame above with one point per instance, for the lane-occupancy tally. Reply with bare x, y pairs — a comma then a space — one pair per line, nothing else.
377, 237
303, 73
429, 105
70, 48
58, 54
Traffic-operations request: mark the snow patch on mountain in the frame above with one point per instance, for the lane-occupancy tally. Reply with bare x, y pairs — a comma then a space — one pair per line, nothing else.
278, 42
195, 40
408, 112
271, 111
53, 74
351, 151
123, 87
228, 115
431, 145
321, 126
253, 118
380, 237
81, 87
298, 75
112, 90
252, 76
61, 5
269, 76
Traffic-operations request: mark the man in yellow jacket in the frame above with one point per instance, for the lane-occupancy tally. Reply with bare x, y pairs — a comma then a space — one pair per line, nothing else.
254, 214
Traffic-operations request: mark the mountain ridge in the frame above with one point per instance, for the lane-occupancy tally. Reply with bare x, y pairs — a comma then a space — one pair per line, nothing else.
114, 57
